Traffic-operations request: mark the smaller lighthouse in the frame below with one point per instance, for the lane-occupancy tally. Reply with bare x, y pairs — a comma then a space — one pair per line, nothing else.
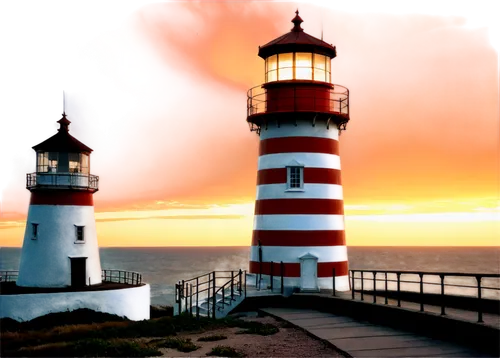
60, 243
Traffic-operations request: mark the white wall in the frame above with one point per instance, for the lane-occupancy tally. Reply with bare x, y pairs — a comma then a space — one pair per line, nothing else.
45, 262
133, 303
341, 282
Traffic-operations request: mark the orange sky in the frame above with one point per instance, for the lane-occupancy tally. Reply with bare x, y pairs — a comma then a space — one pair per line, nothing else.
161, 98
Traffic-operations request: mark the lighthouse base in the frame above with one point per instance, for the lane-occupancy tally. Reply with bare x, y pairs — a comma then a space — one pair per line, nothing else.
292, 284
132, 303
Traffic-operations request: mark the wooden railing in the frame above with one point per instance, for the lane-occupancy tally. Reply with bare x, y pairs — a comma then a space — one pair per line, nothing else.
421, 286
119, 276
216, 288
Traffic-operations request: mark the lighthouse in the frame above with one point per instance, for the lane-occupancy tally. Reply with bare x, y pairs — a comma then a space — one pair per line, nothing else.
60, 242
298, 114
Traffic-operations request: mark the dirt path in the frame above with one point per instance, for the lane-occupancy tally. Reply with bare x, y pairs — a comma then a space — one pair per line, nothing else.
288, 342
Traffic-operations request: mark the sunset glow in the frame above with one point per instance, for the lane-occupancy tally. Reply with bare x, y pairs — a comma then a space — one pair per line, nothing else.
158, 91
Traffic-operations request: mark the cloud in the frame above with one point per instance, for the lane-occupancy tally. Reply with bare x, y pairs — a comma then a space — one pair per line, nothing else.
173, 217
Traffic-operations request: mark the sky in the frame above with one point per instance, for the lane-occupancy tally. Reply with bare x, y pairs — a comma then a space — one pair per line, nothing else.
158, 91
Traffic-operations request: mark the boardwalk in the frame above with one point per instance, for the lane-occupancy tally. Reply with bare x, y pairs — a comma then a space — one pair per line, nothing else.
362, 339
492, 320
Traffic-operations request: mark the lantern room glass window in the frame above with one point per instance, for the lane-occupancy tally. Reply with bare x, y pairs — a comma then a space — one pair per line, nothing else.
298, 66
62, 162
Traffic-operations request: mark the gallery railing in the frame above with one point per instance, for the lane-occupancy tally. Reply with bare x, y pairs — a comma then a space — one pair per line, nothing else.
119, 276
62, 180
444, 289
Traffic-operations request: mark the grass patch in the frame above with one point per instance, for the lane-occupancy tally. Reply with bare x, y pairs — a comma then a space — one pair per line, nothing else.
224, 351
90, 348
212, 338
181, 344
264, 330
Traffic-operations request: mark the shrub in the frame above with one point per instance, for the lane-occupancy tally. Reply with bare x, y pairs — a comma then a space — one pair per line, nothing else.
224, 351
212, 338
181, 344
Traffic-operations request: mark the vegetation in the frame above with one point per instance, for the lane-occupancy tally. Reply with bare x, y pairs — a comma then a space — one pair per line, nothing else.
212, 338
89, 333
224, 351
181, 344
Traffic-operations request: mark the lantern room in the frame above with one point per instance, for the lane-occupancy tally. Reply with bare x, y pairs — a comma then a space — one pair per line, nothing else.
62, 161
297, 80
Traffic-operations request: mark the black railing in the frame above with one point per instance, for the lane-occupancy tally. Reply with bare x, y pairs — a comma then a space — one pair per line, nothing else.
119, 276
9, 276
62, 180
435, 288
116, 276
334, 100
215, 289
272, 275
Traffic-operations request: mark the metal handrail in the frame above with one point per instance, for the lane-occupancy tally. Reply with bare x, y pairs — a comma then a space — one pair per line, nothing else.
9, 275
65, 180
365, 281
120, 276
337, 99
205, 287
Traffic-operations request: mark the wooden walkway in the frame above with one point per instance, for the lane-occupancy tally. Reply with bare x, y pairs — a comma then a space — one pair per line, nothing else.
362, 339
489, 319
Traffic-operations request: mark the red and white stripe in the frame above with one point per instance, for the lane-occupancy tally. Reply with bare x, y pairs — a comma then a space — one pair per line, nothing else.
290, 224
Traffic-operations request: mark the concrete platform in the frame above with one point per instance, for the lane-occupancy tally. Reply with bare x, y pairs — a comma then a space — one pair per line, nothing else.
362, 339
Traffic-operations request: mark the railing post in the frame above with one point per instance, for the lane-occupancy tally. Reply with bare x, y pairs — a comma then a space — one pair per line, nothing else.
362, 286
421, 292
186, 296
352, 278
214, 299
245, 278
240, 277
180, 297
374, 287
398, 274
333, 281
479, 303
197, 301
272, 279
282, 269
191, 299
232, 285
442, 295
386, 293
208, 295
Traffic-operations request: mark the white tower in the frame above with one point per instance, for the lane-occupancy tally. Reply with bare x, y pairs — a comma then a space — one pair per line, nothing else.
299, 211
60, 242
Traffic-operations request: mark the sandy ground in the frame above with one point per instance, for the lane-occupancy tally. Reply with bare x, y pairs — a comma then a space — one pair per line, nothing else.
288, 342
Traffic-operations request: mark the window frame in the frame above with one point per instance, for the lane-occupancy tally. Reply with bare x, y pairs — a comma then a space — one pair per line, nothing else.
35, 232
78, 229
289, 169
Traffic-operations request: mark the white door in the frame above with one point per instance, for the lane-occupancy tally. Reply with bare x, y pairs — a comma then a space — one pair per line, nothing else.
308, 273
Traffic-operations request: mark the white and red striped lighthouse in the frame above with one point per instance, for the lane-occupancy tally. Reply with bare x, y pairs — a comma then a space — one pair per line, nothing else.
299, 210
60, 243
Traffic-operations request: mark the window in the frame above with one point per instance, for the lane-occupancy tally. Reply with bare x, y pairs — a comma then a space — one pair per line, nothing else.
74, 163
298, 66
84, 163
42, 162
34, 231
295, 178
80, 238
53, 157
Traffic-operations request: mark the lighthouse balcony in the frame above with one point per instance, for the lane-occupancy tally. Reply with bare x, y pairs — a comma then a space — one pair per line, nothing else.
79, 181
314, 100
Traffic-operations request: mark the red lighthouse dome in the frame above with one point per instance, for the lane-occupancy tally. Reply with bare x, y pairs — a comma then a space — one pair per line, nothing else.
299, 211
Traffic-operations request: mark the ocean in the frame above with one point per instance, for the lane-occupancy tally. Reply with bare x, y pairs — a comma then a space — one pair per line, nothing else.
162, 267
